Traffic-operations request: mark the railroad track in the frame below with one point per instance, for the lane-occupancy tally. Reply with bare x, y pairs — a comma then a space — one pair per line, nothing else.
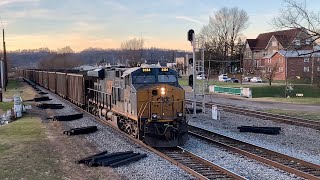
264, 115
181, 158
289, 164
198, 166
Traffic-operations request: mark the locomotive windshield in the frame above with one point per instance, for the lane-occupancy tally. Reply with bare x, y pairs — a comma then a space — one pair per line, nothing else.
167, 78
142, 79
154, 75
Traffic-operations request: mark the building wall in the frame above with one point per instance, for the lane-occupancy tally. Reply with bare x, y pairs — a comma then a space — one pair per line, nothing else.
279, 61
272, 47
295, 65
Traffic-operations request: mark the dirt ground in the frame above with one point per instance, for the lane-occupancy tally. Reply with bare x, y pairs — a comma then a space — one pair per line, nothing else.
70, 149
62, 151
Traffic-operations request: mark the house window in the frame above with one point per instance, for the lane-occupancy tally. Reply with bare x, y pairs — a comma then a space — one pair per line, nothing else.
296, 42
308, 41
269, 60
306, 69
269, 69
318, 59
306, 60
280, 69
318, 68
280, 60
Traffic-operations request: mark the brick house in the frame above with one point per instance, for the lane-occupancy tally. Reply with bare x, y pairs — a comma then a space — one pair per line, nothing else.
295, 63
258, 50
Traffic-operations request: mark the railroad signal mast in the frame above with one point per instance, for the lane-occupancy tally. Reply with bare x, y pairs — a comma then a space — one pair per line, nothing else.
197, 66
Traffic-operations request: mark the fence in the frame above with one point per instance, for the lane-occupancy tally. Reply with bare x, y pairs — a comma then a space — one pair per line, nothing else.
245, 92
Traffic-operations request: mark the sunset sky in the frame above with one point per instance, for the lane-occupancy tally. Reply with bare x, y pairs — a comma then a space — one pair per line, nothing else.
105, 24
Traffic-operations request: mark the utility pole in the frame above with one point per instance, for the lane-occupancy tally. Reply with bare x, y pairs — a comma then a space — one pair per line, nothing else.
5, 68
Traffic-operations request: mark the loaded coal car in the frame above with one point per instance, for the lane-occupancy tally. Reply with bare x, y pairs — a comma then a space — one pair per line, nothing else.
52, 82
146, 102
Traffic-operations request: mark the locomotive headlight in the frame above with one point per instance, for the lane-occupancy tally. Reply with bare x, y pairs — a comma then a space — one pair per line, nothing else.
154, 116
179, 114
162, 91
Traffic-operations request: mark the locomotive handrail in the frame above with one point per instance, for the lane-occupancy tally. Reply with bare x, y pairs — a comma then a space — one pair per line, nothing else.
90, 89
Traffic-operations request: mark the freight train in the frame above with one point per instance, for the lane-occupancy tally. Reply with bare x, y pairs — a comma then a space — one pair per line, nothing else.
145, 102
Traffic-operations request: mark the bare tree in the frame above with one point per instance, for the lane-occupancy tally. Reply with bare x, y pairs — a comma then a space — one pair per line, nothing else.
132, 50
65, 50
296, 14
59, 61
223, 30
270, 72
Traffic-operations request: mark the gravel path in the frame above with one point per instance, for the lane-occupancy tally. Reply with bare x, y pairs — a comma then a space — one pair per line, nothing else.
299, 142
151, 167
239, 164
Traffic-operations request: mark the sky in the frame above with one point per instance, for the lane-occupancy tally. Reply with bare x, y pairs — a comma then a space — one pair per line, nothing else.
80, 24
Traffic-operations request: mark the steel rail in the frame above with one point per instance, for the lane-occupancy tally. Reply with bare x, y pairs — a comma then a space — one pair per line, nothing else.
287, 163
203, 168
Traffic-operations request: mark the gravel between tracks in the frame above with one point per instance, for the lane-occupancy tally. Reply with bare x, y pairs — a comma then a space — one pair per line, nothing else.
299, 142
151, 167
237, 163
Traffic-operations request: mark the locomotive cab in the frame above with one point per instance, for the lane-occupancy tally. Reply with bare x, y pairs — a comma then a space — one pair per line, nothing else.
160, 106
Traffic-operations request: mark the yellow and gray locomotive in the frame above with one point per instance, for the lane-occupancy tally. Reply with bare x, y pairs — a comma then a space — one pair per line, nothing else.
146, 102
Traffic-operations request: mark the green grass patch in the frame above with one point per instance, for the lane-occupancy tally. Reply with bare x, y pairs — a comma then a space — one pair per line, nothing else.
294, 100
13, 84
25, 129
4, 106
25, 153
306, 115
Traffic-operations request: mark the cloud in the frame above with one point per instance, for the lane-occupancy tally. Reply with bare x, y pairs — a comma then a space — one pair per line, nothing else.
6, 2
116, 5
188, 19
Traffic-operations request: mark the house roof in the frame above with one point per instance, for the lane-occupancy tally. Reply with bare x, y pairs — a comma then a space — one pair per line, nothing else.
298, 53
284, 38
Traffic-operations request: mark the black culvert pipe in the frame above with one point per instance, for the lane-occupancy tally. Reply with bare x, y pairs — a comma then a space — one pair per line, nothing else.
127, 161
109, 161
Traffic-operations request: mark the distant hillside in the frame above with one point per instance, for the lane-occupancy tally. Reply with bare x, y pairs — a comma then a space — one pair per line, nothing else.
31, 58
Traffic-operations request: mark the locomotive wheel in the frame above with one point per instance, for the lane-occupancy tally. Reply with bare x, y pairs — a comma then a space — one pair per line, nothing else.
135, 130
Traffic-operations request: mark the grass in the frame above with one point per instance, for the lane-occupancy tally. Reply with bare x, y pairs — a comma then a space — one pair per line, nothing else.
306, 115
294, 100
4, 106
25, 152
16, 87
13, 84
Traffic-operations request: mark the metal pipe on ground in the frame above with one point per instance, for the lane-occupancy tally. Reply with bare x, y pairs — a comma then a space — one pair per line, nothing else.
68, 117
129, 160
43, 98
96, 159
263, 130
82, 130
50, 106
88, 158
109, 161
